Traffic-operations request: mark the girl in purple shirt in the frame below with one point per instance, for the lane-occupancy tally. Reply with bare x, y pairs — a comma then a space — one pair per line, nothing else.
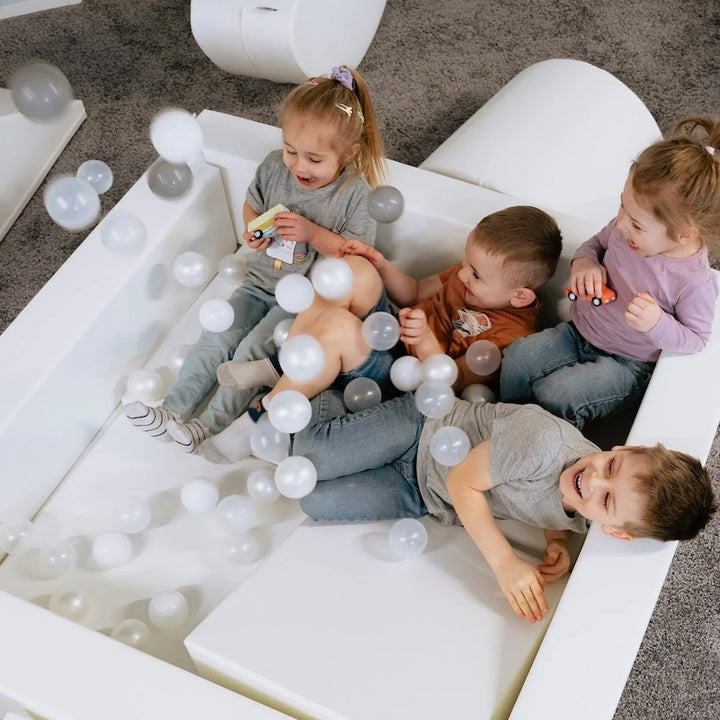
654, 255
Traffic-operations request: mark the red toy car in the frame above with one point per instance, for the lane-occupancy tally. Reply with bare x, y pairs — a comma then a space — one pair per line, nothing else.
607, 296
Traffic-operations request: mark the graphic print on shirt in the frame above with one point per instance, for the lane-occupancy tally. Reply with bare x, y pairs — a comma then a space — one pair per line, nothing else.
471, 322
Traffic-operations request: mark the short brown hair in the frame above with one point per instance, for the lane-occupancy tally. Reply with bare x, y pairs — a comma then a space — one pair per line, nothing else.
526, 237
678, 493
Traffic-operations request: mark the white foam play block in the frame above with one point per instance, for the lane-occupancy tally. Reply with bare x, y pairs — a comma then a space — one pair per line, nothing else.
279, 40
13, 8
561, 134
30, 148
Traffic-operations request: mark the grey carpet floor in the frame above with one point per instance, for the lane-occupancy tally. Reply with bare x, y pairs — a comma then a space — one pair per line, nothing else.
430, 66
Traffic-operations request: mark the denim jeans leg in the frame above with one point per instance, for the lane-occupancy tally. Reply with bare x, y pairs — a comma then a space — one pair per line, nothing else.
197, 375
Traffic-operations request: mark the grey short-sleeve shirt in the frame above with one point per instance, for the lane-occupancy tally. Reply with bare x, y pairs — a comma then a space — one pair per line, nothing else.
529, 448
341, 207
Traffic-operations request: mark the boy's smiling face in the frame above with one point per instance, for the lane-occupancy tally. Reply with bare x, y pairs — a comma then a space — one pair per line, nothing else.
603, 487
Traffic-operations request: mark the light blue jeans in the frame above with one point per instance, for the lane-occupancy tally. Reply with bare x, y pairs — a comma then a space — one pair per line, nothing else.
571, 378
250, 338
365, 460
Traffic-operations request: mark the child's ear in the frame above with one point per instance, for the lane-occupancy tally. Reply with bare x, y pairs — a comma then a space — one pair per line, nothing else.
616, 532
351, 152
523, 297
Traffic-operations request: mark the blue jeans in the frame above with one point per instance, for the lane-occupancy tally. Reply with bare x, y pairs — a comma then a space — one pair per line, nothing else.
365, 460
249, 338
562, 372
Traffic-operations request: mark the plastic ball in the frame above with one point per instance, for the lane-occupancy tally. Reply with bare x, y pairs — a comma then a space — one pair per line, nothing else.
216, 315
15, 536
449, 445
176, 135
132, 514
232, 268
267, 442
40, 91
199, 495
294, 293
434, 399
123, 232
381, 330
145, 385
169, 181
239, 549
289, 411
236, 514
191, 269
71, 604
406, 373
361, 393
385, 204
111, 549
440, 367
261, 485
71, 202
57, 559
407, 537
168, 609
131, 632
332, 278
97, 173
478, 393
301, 358
483, 357
295, 477
176, 357
281, 331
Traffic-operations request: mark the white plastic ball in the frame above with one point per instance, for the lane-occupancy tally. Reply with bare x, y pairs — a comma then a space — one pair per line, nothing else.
434, 399
478, 393
440, 367
111, 549
71, 604
483, 357
361, 393
57, 559
239, 549
301, 358
408, 537
281, 331
176, 357
72, 202
132, 632
332, 278
176, 135
232, 268
123, 232
449, 445
295, 477
261, 485
216, 315
381, 330
237, 514
294, 293
289, 411
40, 91
199, 495
145, 385
97, 173
191, 269
168, 609
267, 442
406, 373
132, 514
15, 536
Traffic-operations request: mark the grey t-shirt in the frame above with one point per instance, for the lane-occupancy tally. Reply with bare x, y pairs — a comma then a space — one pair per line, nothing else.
529, 448
340, 207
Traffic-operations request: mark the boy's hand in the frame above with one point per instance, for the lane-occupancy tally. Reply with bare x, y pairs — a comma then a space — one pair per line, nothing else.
556, 561
642, 313
291, 226
522, 585
254, 244
587, 276
358, 247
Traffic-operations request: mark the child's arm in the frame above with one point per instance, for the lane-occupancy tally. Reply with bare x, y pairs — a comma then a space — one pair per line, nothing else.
556, 560
292, 226
402, 289
521, 583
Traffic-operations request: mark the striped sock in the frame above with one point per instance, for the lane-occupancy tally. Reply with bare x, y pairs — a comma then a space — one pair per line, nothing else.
151, 420
189, 434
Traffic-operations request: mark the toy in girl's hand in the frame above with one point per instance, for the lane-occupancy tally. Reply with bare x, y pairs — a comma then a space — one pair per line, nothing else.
606, 296
262, 226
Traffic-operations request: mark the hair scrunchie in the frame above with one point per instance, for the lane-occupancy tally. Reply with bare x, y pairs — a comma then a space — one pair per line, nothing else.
343, 76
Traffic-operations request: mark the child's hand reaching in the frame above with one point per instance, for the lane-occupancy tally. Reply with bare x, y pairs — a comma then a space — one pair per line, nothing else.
358, 247
642, 313
587, 276
556, 561
522, 585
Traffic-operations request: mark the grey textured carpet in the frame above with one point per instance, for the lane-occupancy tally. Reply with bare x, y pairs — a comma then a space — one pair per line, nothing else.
430, 66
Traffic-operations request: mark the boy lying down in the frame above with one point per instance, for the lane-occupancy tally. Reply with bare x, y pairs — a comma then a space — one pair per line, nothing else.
524, 464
